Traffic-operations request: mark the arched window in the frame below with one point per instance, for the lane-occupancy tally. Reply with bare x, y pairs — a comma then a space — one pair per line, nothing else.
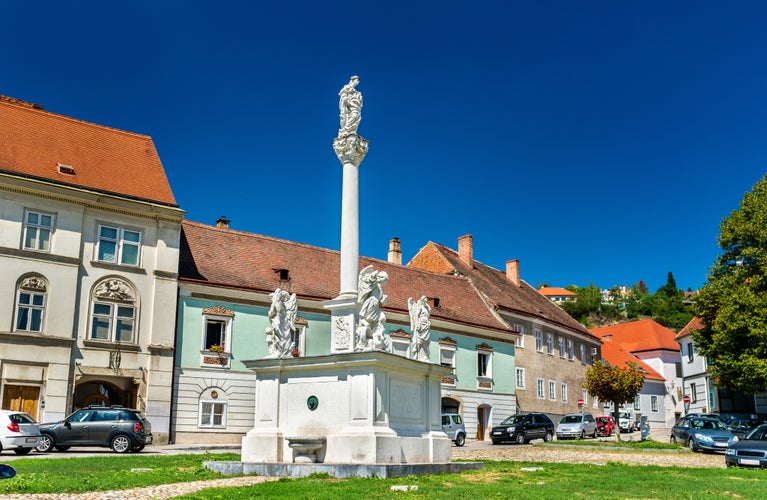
31, 300
113, 313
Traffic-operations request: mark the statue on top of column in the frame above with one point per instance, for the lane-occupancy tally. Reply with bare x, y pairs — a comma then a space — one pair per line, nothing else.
350, 105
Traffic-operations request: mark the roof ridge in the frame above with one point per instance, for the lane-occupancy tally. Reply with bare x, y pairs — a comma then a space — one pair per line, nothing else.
70, 119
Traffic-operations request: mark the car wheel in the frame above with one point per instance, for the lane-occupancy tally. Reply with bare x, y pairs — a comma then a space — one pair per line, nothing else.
520, 438
583, 434
495, 441
460, 439
672, 440
46, 443
140, 447
121, 444
691, 445
594, 435
548, 437
22, 451
62, 448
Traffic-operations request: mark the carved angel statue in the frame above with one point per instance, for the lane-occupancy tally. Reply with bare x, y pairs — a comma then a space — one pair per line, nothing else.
350, 105
282, 316
420, 327
372, 323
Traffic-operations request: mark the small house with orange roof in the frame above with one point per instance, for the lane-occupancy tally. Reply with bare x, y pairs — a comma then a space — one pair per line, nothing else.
552, 350
226, 277
558, 295
89, 236
656, 347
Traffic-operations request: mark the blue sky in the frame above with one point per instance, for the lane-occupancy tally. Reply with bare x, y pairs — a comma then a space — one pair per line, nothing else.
595, 141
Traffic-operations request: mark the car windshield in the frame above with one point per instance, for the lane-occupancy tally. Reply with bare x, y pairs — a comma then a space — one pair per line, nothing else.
571, 419
625, 415
710, 424
758, 433
516, 419
21, 418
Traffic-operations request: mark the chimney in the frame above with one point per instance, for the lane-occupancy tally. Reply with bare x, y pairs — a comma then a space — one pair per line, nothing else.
512, 271
222, 222
466, 250
395, 252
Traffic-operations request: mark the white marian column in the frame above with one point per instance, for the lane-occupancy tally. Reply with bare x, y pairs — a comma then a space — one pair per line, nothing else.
351, 150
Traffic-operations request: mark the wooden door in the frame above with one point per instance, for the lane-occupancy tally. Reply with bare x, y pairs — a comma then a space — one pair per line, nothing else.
481, 419
24, 398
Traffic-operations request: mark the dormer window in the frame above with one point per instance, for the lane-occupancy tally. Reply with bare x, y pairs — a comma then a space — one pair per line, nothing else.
66, 169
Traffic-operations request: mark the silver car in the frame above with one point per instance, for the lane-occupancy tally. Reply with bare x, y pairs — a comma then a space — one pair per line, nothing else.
577, 425
18, 431
452, 425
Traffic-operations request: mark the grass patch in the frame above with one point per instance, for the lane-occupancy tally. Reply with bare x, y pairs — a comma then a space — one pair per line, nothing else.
647, 444
508, 480
82, 474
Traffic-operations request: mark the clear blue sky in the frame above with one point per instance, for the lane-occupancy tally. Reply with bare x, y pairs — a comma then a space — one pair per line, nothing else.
595, 141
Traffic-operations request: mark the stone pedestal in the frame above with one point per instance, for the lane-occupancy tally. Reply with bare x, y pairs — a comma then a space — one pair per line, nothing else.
371, 407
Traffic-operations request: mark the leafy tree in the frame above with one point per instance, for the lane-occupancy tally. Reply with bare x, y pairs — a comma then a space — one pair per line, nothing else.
589, 309
616, 384
733, 303
669, 289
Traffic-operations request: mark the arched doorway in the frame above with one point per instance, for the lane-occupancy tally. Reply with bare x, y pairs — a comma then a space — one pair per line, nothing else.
483, 420
451, 405
103, 393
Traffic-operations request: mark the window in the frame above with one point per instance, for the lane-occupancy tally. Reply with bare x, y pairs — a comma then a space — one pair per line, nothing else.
564, 392
538, 340
399, 346
215, 334
212, 414
553, 390
583, 353
447, 356
690, 353
541, 394
30, 304
585, 397
119, 246
550, 343
654, 403
519, 341
484, 364
37, 231
570, 350
112, 322
637, 405
520, 376
693, 394
562, 350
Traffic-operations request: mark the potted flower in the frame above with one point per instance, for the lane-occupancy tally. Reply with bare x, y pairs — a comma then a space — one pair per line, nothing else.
217, 348
295, 352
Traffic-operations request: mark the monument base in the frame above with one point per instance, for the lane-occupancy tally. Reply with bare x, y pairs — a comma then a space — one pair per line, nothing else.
340, 470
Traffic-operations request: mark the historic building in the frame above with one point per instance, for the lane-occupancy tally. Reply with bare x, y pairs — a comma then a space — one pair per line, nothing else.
89, 236
227, 279
552, 350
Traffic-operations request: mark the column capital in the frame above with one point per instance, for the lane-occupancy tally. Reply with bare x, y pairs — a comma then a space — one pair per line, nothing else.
350, 148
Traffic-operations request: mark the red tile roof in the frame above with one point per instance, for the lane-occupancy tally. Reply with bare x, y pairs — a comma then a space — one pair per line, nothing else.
616, 355
495, 286
235, 259
639, 336
694, 324
553, 291
33, 142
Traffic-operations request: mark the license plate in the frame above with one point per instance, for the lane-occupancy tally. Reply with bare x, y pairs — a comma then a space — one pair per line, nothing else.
748, 461
30, 440
497, 433
721, 445
149, 440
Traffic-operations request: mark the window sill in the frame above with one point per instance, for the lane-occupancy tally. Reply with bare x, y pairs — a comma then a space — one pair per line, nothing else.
215, 360
485, 383
118, 267
109, 345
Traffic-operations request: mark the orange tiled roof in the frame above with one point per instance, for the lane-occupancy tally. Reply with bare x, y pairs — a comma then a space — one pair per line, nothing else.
694, 324
553, 291
494, 285
247, 261
616, 355
33, 142
638, 336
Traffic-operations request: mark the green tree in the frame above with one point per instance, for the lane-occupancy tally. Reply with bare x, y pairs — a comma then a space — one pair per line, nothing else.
589, 309
615, 384
733, 303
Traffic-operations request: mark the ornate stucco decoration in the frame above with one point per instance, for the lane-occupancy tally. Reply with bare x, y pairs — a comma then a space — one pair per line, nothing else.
218, 311
33, 283
114, 289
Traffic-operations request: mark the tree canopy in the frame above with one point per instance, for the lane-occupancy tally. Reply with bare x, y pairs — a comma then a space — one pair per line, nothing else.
616, 384
732, 305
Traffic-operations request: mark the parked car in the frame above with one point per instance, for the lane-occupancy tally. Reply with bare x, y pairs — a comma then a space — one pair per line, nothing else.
739, 426
18, 432
523, 428
751, 451
577, 425
605, 425
121, 429
702, 433
628, 421
452, 425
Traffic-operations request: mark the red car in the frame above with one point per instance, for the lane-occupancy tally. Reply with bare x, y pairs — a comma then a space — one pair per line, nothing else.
605, 425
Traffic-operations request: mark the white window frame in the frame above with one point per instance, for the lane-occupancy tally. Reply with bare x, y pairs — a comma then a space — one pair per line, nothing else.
562, 348
564, 392
654, 403
399, 346
583, 353
538, 340
213, 403
693, 393
552, 390
120, 243
299, 339
113, 319
519, 376
443, 356
690, 353
550, 344
637, 403
227, 333
585, 397
570, 350
540, 387
519, 340
31, 308
488, 367
38, 228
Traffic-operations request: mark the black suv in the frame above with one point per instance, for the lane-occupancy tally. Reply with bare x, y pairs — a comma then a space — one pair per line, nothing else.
522, 428
119, 428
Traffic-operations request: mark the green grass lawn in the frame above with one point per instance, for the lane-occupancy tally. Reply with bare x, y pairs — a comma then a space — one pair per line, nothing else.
498, 480
647, 444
